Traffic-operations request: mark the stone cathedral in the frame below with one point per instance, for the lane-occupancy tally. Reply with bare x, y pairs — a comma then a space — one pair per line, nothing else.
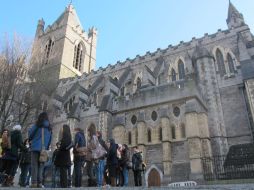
178, 105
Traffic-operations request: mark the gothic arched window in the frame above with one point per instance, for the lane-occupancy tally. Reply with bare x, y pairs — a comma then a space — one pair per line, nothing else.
136, 136
48, 49
183, 133
173, 131
173, 75
220, 62
160, 134
122, 91
138, 83
149, 135
230, 64
161, 78
181, 69
78, 56
129, 138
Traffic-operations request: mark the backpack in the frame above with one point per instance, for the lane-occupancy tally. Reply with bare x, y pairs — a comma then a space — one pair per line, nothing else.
6, 141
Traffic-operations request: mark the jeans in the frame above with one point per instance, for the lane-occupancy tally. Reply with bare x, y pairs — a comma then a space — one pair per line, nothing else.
78, 173
28, 177
125, 176
100, 172
24, 174
55, 174
37, 168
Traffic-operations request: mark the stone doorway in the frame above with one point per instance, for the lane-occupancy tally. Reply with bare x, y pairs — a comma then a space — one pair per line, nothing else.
154, 179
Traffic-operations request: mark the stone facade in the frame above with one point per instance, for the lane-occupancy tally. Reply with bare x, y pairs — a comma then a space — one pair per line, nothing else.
178, 104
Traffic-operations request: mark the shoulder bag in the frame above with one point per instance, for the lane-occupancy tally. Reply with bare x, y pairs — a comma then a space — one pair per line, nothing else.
43, 154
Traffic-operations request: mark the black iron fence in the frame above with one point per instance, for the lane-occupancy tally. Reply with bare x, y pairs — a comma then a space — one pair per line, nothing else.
228, 167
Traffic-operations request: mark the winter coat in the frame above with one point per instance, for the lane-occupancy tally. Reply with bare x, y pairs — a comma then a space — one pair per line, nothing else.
63, 157
16, 144
137, 161
79, 141
125, 158
112, 154
35, 136
25, 156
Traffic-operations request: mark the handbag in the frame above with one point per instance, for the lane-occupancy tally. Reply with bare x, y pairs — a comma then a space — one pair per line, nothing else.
43, 154
81, 151
99, 151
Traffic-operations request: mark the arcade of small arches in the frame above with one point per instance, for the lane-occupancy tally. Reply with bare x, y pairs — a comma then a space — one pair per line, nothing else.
149, 135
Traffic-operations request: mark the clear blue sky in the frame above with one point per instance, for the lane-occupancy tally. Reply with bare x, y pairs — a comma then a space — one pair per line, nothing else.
127, 27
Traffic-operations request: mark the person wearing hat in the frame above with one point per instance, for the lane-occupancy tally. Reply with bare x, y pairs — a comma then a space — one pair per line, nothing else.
10, 156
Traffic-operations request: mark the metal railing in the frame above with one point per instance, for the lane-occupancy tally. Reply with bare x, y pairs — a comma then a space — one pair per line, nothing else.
228, 167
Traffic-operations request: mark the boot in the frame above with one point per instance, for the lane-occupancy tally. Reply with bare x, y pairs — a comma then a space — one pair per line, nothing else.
11, 182
113, 181
8, 181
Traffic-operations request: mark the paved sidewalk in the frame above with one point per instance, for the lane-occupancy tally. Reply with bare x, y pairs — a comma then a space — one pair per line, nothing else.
248, 186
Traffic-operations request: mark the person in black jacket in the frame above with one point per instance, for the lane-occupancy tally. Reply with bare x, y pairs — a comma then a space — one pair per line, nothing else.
112, 162
25, 163
55, 169
10, 156
137, 166
63, 158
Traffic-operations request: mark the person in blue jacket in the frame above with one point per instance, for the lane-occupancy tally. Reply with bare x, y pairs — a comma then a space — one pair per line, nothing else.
35, 138
79, 141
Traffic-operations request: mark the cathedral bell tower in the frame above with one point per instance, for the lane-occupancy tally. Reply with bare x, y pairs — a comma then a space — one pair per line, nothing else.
63, 49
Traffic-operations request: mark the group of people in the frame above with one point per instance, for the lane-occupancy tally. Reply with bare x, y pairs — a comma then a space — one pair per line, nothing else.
106, 163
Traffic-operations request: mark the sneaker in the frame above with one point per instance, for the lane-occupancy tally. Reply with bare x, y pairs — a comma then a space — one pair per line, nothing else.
40, 186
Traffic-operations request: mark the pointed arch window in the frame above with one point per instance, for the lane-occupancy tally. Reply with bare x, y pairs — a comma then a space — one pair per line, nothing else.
149, 135
129, 138
160, 133
173, 75
122, 91
181, 70
220, 62
138, 83
183, 133
173, 131
78, 56
230, 63
48, 50
161, 78
136, 136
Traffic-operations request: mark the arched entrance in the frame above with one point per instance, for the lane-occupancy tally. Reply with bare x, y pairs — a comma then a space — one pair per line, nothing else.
154, 179
153, 176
